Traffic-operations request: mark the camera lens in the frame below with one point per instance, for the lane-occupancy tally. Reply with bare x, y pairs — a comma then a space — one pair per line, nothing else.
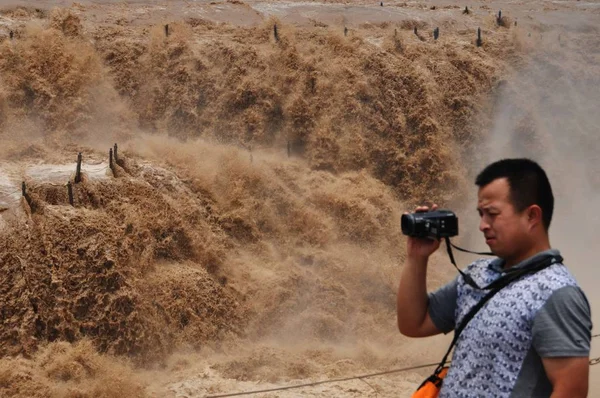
407, 222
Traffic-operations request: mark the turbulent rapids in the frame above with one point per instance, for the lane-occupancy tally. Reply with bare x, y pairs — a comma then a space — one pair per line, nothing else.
247, 235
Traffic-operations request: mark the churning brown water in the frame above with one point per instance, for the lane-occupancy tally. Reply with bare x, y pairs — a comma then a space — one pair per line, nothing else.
248, 236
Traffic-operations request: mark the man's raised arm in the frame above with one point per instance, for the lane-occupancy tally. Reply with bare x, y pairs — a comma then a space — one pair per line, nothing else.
412, 302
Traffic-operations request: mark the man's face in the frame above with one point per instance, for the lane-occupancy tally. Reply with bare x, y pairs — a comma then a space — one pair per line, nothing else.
505, 231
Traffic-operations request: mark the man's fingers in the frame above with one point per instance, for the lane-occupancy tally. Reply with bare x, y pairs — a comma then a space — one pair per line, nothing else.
422, 209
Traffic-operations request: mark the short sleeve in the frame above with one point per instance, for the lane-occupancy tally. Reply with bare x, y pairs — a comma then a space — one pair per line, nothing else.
442, 306
562, 327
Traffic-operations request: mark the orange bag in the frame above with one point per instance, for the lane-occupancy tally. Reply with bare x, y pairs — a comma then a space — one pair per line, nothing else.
432, 385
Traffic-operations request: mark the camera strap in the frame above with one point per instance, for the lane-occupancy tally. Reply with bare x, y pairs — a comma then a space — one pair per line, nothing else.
466, 277
469, 280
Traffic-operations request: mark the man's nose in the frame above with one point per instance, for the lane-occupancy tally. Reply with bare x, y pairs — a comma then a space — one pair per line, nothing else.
483, 225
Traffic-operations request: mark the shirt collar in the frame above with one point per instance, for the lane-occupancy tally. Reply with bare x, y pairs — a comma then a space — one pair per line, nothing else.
497, 263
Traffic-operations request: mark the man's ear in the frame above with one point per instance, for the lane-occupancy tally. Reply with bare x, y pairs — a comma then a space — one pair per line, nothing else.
534, 215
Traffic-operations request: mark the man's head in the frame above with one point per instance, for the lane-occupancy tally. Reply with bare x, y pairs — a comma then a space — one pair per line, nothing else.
515, 203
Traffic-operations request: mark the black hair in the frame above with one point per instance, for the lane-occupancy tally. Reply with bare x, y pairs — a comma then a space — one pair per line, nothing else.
528, 184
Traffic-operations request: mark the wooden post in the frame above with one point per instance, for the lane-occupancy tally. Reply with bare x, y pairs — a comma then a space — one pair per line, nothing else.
275, 34
27, 197
479, 41
70, 192
110, 159
345, 31
466, 11
167, 30
415, 30
436, 33
78, 172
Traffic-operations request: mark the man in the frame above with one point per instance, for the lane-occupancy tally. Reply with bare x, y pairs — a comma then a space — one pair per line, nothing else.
532, 339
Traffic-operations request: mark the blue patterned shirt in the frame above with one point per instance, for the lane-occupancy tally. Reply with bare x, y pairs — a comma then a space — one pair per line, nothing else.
499, 352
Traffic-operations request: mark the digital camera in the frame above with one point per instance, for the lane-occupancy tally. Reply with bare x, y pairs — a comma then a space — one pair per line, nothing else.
430, 225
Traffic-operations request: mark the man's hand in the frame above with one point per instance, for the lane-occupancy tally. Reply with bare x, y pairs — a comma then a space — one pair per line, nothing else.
420, 249
568, 376
412, 302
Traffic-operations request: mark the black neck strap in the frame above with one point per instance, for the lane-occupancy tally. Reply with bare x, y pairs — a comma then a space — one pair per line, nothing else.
466, 277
